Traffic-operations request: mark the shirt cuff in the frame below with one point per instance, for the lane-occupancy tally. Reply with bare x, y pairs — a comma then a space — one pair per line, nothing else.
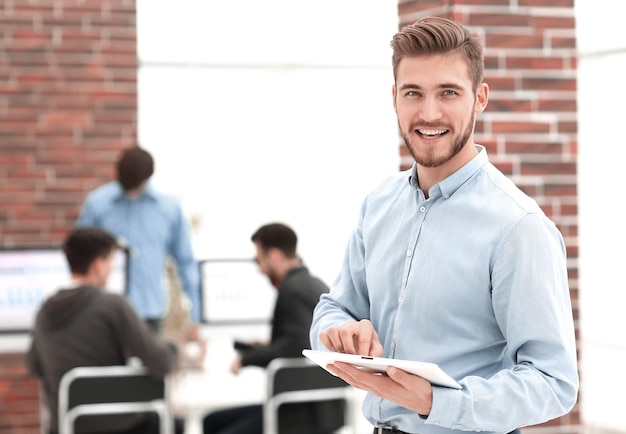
445, 408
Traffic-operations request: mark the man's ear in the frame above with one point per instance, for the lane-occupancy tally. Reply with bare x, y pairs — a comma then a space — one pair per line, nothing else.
273, 253
95, 265
482, 97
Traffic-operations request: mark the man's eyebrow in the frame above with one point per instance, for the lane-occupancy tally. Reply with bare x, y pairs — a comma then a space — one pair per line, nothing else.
450, 86
440, 86
410, 86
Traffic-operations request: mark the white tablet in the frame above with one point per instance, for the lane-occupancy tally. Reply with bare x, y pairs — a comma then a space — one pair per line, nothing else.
428, 371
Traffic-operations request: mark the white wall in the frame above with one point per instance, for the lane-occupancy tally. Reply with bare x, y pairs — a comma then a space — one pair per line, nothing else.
602, 152
274, 110
266, 111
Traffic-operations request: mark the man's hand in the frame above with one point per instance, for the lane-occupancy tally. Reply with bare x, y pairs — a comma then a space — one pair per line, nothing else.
235, 366
192, 333
353, 338
408, 390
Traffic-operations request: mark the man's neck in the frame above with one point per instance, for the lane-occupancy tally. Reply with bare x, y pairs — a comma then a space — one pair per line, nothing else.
133, 194
429, 176
286, 267
136, 192
84, 280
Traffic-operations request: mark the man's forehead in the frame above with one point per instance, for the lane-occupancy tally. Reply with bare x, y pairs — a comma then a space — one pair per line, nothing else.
438, 69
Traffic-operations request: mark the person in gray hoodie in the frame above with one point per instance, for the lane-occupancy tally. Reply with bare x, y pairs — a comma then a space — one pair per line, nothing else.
84, 325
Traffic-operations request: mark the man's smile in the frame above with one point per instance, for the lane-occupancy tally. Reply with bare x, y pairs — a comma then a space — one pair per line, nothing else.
431, 133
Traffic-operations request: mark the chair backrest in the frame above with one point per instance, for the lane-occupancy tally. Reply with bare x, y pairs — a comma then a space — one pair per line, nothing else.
106, 390
299, 380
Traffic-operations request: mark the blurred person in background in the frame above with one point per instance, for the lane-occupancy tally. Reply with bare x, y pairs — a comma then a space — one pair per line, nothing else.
297, 294
451, 263
83, 325
153, 228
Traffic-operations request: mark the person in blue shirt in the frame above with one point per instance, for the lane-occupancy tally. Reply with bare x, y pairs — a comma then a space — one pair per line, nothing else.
153, 228
451, 263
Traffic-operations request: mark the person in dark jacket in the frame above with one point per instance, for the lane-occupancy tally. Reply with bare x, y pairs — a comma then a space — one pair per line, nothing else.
84, 325
298, 294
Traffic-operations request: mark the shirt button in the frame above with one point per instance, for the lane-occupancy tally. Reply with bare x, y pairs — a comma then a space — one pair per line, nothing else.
422, 209
401, 299
409, 253
446, 196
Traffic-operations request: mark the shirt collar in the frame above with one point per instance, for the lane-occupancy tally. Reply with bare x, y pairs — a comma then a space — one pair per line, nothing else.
449, 185
72, 284
148, 192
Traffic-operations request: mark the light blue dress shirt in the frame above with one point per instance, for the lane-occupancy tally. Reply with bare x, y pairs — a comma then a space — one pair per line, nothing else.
474, 279
154, 228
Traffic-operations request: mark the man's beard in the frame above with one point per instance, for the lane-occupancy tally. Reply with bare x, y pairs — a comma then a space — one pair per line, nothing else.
429, 159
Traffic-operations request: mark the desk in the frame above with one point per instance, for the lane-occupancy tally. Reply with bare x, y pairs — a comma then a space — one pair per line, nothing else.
197, 392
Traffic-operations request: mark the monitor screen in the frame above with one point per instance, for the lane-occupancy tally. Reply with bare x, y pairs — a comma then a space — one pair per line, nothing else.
30, 275
234, 291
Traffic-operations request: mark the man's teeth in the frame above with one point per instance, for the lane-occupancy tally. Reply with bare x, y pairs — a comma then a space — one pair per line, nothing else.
431, 132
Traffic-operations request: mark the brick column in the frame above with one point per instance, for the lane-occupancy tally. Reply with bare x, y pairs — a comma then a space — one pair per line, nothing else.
530, 124
67, 106
68, 103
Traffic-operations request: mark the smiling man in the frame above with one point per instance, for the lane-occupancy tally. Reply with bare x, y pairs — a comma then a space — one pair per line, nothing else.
451, 263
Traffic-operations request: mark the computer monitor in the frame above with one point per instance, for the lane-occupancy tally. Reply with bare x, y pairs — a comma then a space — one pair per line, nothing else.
235, 292
29, 275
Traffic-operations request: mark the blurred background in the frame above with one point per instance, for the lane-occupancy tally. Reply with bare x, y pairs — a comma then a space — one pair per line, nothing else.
278, 110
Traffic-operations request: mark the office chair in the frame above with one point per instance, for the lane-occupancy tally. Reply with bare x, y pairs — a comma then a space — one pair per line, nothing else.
299, 380
107, 390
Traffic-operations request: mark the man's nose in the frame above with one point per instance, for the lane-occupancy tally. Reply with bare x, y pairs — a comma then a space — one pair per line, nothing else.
430, 109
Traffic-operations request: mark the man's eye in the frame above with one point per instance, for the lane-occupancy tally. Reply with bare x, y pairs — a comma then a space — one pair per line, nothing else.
412, 93
449, 92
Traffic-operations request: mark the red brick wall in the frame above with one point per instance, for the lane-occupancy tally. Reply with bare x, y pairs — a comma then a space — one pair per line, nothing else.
19, 397
530, 126
68, 73
68, 103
